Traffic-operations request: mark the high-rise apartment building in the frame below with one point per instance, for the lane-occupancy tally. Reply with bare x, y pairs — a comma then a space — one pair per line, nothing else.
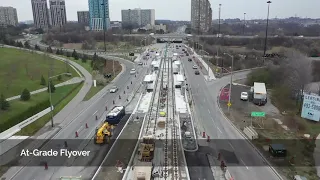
99, 14
83, 17
131, 16
40, 13
58, 12
138, 17
8, 16
147, 17
201, 15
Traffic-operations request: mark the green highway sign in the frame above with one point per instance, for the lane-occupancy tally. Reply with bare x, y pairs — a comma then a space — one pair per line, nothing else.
258, 114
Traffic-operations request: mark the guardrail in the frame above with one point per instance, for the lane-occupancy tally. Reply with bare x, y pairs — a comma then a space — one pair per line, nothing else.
192, 124
11, 131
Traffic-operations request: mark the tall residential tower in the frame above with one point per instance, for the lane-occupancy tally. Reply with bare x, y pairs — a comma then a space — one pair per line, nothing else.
138, 17
99, 15
58, 12
8, 16
40, 13
201, 15
83, 17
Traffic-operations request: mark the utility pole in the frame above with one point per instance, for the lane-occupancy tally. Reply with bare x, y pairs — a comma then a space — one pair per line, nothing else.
244, 22
199, 16
219, 20
104, 25
266, 38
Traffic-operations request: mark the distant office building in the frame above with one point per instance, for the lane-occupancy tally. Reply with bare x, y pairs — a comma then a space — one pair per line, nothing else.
40, 13
138, 17
8, 16
201, 15
83, 17
58, 12
99, 15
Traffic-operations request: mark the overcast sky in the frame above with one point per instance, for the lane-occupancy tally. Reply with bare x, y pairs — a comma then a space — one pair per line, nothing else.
180, 9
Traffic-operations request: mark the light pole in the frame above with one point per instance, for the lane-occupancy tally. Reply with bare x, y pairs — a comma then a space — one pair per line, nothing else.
244, 22
230, 89
219, 19
104, 25
265, 40
50, 98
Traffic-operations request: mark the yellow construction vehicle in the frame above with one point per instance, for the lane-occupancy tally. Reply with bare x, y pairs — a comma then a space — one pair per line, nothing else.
103, 134
146, 149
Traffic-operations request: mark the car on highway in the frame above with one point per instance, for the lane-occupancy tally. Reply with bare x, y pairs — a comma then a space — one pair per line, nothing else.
194, 67
113, 89
140, 63
133, 71
189, 59
196, 72
244, 96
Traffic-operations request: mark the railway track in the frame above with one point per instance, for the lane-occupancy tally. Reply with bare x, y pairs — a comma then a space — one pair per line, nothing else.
154, 108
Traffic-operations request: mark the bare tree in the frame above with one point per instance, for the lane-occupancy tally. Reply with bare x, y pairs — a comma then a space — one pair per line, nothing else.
298, 71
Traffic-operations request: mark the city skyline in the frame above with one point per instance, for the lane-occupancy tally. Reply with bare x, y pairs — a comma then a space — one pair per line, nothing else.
256, 10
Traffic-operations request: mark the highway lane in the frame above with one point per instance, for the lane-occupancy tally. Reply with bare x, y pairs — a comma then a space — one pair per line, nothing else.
225, 137
78, 124
183, 35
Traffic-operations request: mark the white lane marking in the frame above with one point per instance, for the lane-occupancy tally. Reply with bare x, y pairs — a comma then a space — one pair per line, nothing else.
219, 130
244, 164
231, 146
204, 100
209, 111
95, 112
80, 129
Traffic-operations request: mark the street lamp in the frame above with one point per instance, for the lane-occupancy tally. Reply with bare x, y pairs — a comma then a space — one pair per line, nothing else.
229, 102
265, 40
244, 22
219, 19
49, 86
104, 25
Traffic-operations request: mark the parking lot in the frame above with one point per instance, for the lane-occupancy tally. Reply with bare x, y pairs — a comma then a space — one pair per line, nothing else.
240, 110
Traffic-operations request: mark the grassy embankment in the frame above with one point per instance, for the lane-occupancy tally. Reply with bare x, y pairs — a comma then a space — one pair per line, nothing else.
21, 69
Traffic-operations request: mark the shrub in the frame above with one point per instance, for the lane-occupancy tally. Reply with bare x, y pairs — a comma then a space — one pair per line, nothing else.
24, 115
4, 104
59, 78
43, 81
52, 87
25, 95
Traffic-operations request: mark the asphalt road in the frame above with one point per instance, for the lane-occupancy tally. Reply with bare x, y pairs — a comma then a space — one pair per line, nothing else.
231, 144
176, 35
76, 123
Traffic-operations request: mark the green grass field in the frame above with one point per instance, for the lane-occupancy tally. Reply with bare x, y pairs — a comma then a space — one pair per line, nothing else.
17, 106
87, 65
61, 92
21, 69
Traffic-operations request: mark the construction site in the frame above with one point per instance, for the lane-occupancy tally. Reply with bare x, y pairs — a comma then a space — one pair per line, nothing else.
159, 153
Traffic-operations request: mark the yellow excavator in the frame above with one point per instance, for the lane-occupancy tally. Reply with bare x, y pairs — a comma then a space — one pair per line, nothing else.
103, 134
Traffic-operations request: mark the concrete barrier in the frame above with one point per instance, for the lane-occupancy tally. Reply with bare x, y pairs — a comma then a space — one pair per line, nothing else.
227, 175
250, 133
10, 132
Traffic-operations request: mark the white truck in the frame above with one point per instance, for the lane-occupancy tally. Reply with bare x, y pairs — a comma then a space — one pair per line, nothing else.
175, 68
259, 93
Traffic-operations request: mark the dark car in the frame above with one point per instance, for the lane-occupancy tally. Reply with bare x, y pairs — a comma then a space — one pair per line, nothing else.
131, 54
189, 59
187, 54
196, 72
